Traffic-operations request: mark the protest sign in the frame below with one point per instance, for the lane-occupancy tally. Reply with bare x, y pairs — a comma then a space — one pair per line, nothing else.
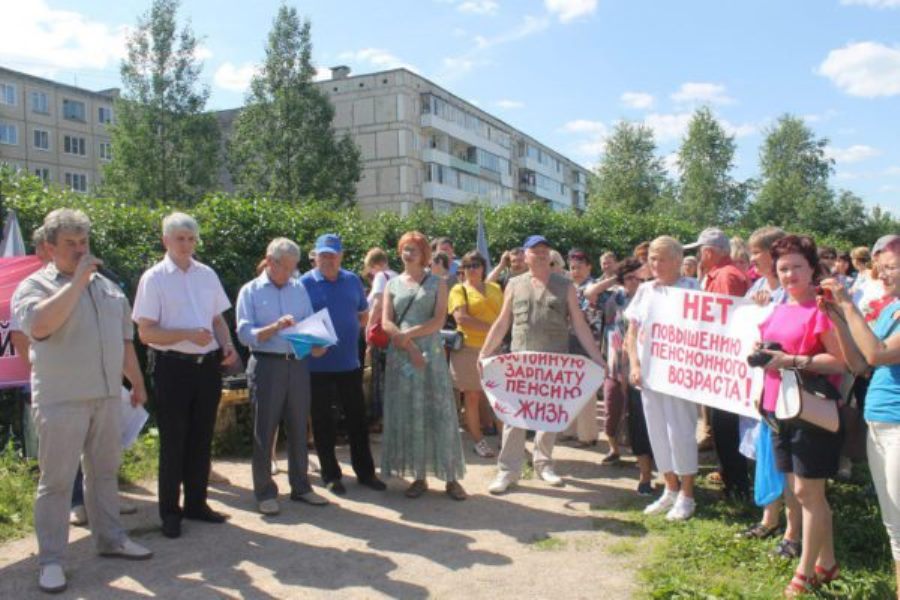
14, 371
694, 345
543, 391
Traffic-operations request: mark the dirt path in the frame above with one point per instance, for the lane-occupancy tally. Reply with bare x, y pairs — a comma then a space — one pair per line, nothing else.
537, 542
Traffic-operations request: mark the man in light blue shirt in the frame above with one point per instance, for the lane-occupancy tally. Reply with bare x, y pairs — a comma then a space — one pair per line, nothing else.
278, 380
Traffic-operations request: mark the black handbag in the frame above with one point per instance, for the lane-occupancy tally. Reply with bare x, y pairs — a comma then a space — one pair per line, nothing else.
451, 337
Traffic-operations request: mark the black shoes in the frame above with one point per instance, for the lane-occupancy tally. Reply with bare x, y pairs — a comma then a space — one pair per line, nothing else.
171, 526
206, 514
373, 483
336, 487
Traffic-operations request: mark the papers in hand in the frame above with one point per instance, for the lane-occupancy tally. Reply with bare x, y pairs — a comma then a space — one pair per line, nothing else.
315, 330
133, 420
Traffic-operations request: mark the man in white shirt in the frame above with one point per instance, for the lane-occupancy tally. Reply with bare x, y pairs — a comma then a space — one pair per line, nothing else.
178, 308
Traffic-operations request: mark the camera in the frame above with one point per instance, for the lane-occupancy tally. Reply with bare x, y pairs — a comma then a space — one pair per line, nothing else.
760, 358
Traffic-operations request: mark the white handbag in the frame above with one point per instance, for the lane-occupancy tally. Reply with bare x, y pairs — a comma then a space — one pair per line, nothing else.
807, 399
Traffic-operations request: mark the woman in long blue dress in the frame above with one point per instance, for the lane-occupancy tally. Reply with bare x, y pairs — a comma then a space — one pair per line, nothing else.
421, 429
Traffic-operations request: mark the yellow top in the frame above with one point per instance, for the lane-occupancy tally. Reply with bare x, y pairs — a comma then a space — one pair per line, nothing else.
484, 307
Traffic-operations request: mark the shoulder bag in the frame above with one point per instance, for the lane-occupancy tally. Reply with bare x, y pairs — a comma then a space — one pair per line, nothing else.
453, 338
376, 335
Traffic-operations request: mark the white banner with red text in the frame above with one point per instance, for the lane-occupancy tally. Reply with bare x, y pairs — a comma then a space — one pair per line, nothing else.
694, 345
543, 391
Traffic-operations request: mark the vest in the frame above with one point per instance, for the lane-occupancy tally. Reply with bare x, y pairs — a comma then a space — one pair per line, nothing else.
540, 316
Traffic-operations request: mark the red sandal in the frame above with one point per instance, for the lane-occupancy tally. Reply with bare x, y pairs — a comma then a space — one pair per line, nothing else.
828, 575
800, 585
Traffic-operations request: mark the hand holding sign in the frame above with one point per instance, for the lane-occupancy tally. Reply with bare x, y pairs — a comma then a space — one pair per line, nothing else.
544, 391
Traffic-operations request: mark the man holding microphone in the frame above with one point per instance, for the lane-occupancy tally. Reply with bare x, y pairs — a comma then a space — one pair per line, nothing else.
78, 323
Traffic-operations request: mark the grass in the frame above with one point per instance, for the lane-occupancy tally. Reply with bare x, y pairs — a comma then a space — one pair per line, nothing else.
19, 478
548, 543
702, 558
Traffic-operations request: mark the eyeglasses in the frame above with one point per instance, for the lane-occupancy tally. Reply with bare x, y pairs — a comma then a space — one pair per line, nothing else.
471, 266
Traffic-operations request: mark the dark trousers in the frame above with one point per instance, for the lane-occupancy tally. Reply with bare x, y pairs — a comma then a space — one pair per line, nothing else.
726, 435
344, 390
187, 398
78, 488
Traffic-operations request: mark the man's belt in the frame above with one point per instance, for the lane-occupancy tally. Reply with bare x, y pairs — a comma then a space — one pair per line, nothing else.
278, 355
197, 359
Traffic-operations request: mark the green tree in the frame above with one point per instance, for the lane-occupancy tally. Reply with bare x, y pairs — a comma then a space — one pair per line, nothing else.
164, 146
283, 144
630, 176
707, 193
794, 189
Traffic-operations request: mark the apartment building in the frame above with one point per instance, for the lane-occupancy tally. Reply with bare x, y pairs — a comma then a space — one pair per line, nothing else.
56, 131
422, 144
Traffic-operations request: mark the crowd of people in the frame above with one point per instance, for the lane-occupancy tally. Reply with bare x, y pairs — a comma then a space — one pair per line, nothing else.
424, 332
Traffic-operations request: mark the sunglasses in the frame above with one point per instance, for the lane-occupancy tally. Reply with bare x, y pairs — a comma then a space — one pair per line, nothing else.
471, 266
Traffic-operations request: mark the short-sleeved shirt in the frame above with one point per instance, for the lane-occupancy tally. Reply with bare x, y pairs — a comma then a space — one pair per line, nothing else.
83, 359
639, 308
177, 299
260, 303
484, 307
799, 329
883, 397
726, 279
379, 282
345, 299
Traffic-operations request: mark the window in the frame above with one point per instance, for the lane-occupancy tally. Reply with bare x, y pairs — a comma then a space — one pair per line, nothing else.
74, 145
73, 110
44, 174
105, 150
104, 114
41, 139
9, 134
8, 94
77, 182
40, 103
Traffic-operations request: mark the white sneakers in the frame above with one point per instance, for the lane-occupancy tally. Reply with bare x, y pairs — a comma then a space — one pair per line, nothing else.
550, 476
501, 482
276, 469
483, 450
676, 506
129, 550
662, 504
269, 507
78, 515
52, 579
683, 509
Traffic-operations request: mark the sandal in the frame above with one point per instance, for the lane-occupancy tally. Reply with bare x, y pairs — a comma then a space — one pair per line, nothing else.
456, 491
757, 531
800, 585
828, 575
416, 488
612, 458
788, 549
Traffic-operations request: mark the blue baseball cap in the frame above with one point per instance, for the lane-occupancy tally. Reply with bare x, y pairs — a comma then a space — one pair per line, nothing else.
535, 240
328, 243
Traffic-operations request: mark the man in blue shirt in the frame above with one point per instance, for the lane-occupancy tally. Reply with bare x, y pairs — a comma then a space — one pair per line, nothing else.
337, 376
278, 380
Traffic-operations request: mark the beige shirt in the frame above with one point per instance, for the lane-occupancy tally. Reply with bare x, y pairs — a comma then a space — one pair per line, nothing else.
177, 299
82, 359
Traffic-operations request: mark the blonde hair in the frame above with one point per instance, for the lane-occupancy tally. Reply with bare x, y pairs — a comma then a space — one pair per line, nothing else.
556, 259
739, 249
375, 256
668, 245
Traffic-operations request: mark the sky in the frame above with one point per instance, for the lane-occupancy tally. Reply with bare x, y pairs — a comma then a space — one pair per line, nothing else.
563, 71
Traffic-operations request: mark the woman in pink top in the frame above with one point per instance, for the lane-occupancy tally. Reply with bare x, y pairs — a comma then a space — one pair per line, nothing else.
808, 455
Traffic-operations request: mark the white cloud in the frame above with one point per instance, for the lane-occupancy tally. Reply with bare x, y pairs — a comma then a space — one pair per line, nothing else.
670, 164
873, 3
509, 104
234, 78
479, 7
668, 127
322, 74
852, 154
701, 93
889, 188
203, 52
738, 130
819, 117
585, 126
866, 69
569, 10
378, 58
529, 26
44, 41
892, 170
457, 66
637, 100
